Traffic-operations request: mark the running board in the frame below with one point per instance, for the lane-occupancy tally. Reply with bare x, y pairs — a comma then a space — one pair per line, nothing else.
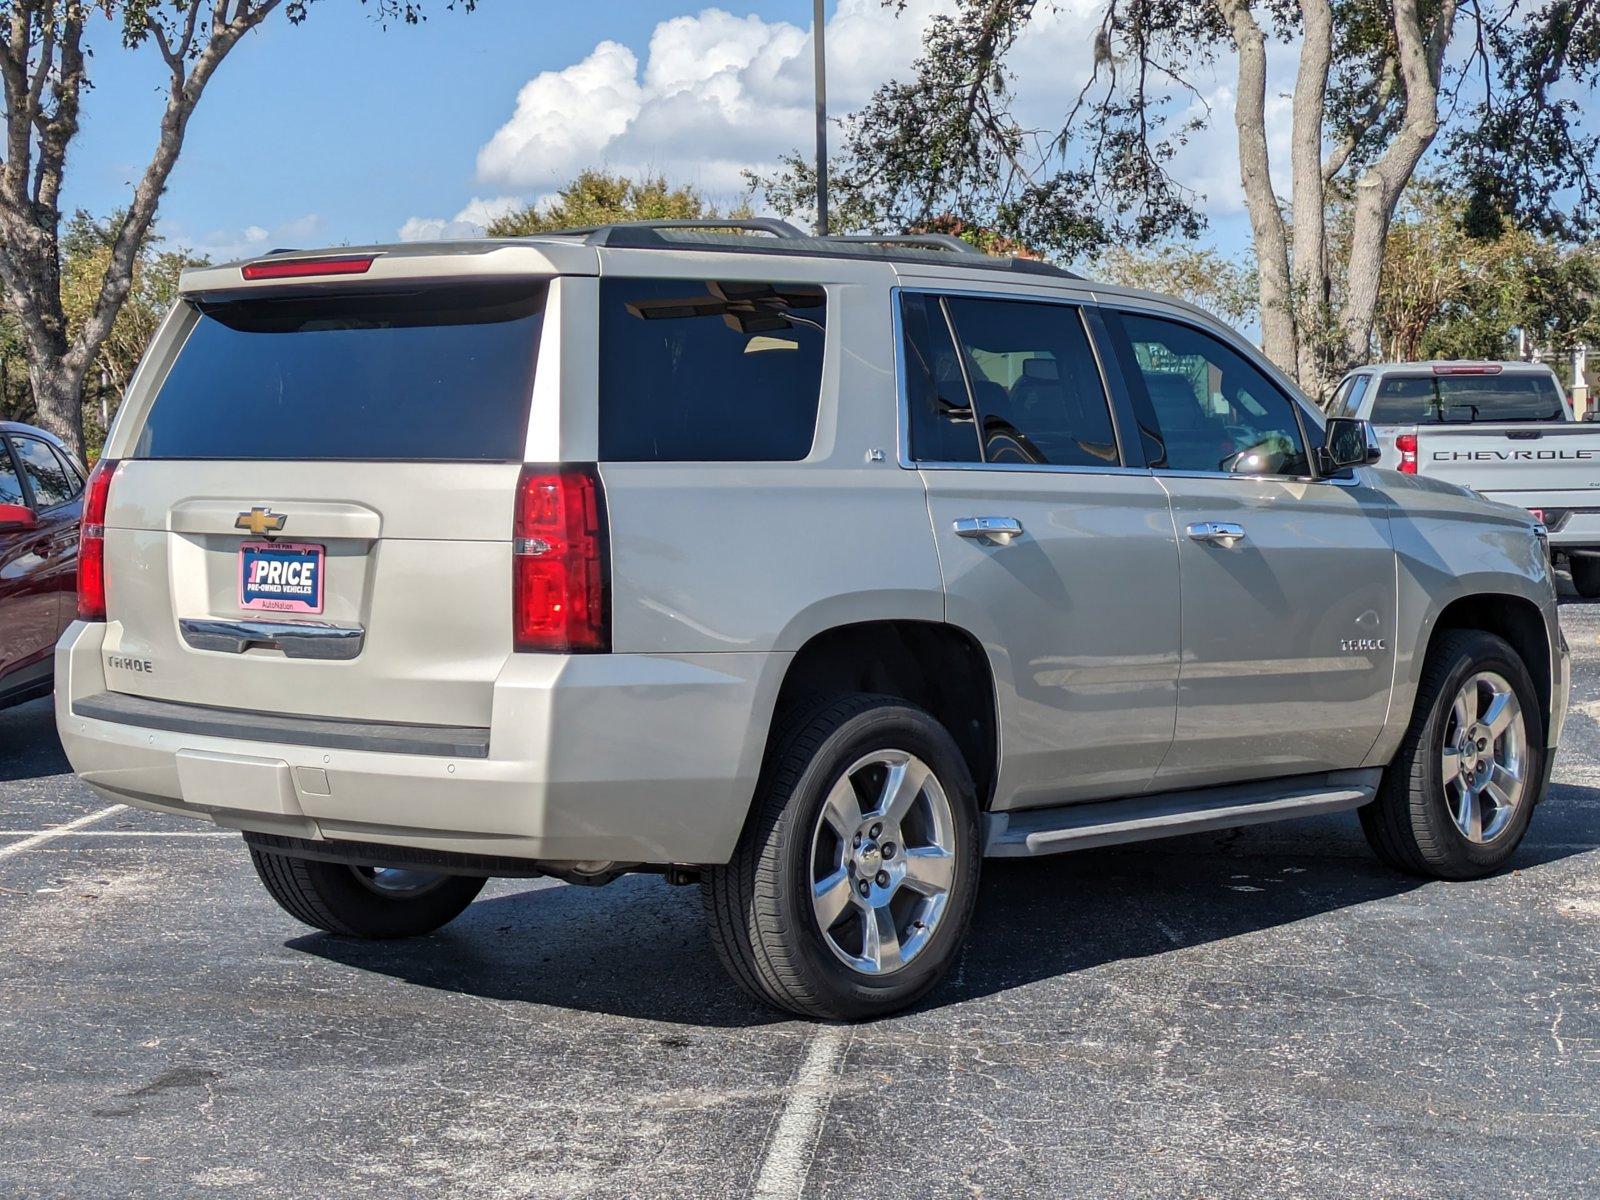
1039, 831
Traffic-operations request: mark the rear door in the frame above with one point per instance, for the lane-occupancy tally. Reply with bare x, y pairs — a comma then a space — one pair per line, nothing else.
313, 514
1288, 581
1057, 551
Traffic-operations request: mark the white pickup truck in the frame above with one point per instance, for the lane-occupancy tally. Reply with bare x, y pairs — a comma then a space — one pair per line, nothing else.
1503, 429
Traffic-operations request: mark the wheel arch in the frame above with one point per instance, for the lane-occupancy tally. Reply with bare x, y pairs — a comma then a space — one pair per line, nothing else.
934, 665
1513, 618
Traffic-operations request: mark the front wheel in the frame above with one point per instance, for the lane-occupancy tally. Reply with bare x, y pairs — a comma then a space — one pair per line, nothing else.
1458, 796
364, 902
852, 886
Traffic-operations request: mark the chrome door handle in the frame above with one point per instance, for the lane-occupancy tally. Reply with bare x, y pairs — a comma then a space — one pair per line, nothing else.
1218, 533
1000, 530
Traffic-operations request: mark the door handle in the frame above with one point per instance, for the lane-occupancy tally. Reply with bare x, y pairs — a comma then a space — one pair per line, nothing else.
1002, 531
1218, 533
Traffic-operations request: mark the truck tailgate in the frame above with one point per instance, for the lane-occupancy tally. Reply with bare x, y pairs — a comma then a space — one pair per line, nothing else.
1527, 465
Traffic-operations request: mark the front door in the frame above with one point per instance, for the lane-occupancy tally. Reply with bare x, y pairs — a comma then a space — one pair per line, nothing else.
1057, 556
1288, 580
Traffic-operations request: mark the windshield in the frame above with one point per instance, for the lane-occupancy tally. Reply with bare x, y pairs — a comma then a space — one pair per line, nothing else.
439, 374
1464, 399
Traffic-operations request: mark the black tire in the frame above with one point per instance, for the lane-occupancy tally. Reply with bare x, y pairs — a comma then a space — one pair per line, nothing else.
1585, 575
1409, 824
334, 897
759, 904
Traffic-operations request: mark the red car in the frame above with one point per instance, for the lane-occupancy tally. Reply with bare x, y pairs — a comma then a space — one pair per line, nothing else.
41, 498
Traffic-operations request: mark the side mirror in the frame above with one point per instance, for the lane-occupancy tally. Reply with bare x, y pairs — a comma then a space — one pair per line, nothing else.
17, 516
1348, 443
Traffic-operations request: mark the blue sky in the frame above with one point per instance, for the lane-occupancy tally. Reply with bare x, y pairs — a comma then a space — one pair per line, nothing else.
339, 131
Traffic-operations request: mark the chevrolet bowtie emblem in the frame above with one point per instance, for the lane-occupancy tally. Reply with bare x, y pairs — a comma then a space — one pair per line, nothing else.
260, 521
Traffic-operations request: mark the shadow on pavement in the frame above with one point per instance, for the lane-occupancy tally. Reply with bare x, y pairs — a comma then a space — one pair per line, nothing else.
638, 948
29, 747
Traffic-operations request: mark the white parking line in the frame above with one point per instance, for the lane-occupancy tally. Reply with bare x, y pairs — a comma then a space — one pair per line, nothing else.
50, 835
121, 833
788, 1159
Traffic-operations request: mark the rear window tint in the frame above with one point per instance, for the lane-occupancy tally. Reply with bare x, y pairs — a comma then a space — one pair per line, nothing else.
432, 374
1463, 399
695, 371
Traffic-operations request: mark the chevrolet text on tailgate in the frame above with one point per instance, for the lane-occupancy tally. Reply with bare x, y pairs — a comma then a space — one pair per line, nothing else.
809, 570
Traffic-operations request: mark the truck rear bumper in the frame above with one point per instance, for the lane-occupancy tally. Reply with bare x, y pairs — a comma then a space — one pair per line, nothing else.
622, 757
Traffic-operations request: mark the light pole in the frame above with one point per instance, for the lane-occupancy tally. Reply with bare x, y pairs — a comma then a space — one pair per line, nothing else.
818, 59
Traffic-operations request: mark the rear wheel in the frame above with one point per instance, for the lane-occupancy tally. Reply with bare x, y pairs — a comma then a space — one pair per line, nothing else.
1585, 575
1457, 798
365, 902
852, 887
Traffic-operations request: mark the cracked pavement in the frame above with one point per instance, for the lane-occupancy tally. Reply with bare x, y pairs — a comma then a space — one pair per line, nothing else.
1264, 1013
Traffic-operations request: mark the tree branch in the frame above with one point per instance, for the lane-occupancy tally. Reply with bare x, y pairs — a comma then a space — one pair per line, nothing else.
186, 85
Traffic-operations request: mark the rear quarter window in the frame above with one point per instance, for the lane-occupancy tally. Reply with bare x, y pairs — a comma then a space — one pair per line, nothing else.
431, 373
706, 371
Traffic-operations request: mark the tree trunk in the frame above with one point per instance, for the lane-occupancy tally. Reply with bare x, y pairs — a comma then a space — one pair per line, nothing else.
1380, 185
1278, 334
58, 395
1310, 265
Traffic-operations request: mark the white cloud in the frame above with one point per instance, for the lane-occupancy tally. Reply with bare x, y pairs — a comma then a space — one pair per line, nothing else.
468, 223
717, 93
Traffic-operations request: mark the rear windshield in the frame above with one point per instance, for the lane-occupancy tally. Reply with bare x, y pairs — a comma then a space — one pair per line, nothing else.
1463, 399
438, 373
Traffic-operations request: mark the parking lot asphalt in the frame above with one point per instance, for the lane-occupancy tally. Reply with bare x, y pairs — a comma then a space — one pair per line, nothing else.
1265, 1013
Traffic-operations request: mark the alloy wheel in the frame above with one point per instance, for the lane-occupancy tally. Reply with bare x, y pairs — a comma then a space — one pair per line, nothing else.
1484, 760
883, 861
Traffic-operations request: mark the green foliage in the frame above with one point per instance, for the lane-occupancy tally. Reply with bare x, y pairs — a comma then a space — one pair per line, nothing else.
598, 197
1458, 285
1197, 274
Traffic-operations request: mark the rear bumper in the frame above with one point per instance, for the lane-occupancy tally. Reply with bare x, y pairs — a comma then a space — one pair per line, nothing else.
623, 757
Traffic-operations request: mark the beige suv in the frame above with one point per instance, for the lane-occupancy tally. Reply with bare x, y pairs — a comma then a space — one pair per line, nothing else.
813, 570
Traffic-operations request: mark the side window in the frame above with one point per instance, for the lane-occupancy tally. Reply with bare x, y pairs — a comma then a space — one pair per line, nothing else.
51, 483
942, 427
709, 372
1341, 394
1210, 407
74, 476
1036, 388
1352, 401
10, 485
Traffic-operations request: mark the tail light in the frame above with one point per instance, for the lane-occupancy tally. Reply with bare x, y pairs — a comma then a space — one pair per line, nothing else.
92, 542
1406, 443
559, 562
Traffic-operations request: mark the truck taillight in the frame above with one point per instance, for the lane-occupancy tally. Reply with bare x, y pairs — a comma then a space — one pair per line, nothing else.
1406, 443
92, 542
560, 561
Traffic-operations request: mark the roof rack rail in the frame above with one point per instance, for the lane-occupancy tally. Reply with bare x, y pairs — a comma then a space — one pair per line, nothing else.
617, 232
921, 241
787, 239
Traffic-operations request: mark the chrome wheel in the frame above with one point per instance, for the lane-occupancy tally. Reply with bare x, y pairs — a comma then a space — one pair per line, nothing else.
883, 861
1484, 761
398, 883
